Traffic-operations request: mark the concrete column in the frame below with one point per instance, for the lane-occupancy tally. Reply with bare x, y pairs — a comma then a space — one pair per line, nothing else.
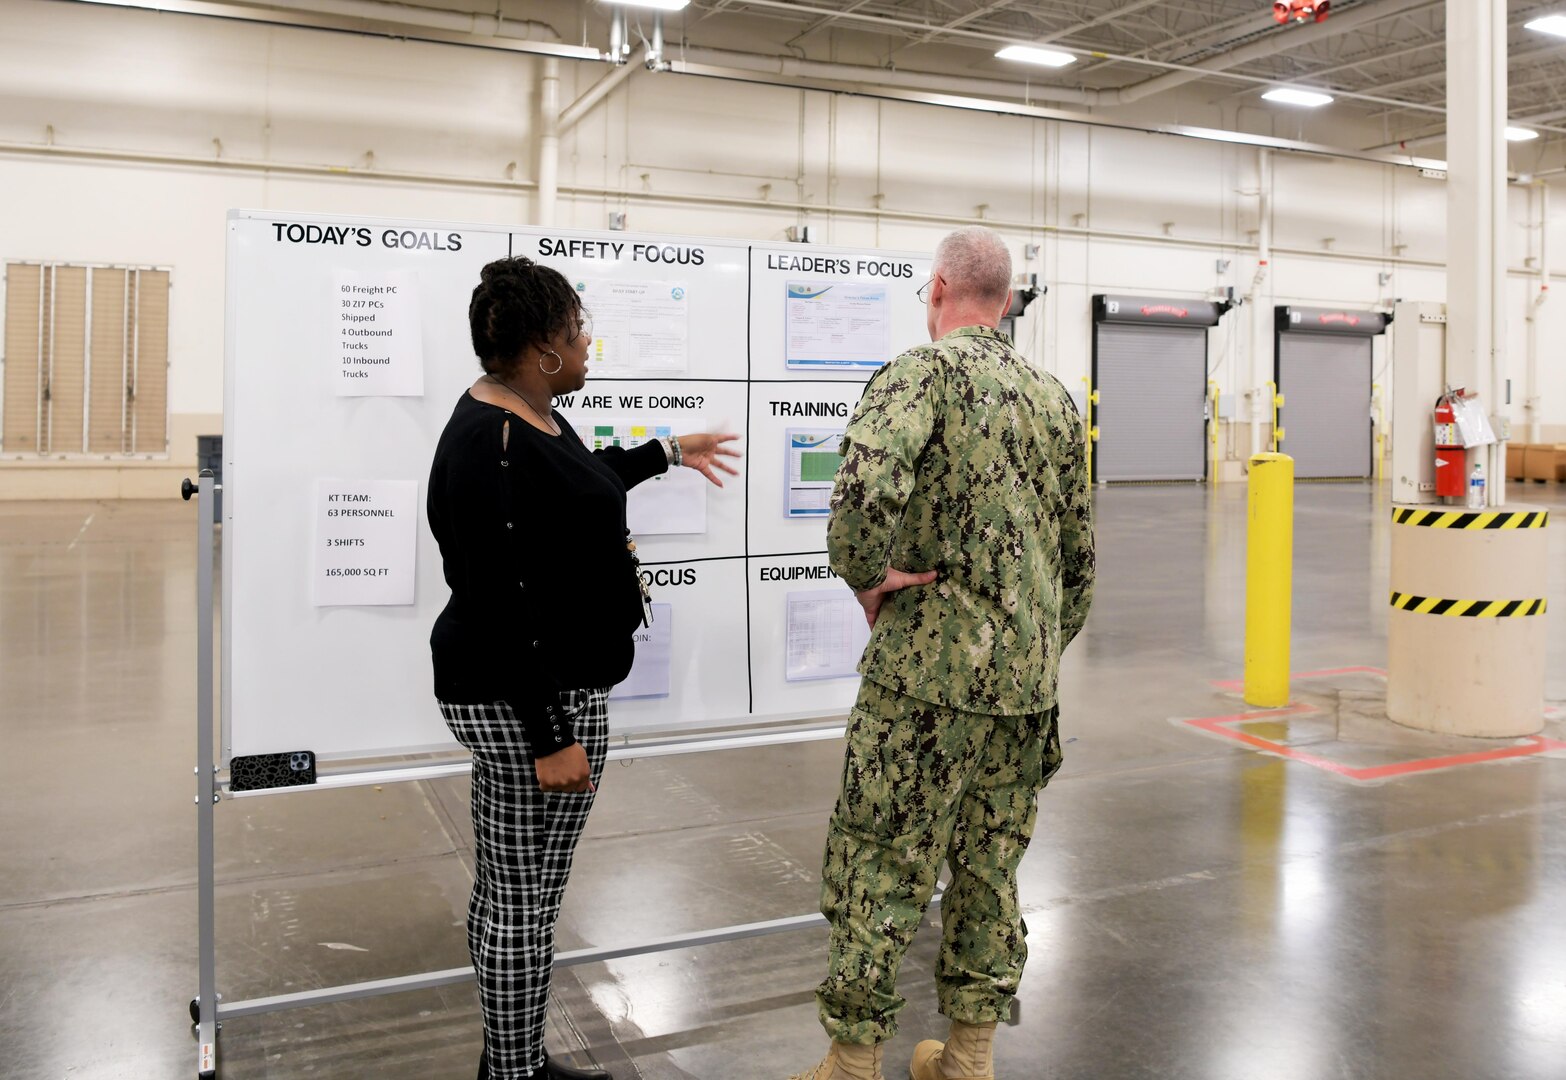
1467, 631
1476, 209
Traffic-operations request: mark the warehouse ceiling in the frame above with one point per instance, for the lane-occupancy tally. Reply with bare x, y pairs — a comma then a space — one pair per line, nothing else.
1137, 62
1391, 50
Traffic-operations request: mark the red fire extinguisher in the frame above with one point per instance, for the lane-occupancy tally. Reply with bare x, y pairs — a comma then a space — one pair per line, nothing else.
1450, 455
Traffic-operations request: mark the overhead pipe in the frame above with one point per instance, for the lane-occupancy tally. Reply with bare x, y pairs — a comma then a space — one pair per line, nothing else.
1258, 296
655, 60
459, 22
1538, 121
794, 67
548, 140
617, 43
1540, 298
597, 92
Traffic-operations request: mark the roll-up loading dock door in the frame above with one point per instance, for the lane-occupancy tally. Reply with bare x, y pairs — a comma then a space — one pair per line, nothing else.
1323, 364
1150, 373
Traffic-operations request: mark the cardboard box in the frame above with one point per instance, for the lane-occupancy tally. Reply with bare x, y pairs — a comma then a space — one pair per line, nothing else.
1539, 464
1516, 455
1560, 463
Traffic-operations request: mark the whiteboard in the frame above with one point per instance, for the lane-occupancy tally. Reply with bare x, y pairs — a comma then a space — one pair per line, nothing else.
356, 681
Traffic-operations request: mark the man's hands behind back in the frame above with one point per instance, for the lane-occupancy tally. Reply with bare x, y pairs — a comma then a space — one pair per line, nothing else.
871, 599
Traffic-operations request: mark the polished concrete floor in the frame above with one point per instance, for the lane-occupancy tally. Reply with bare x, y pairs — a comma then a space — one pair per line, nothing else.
1196, 909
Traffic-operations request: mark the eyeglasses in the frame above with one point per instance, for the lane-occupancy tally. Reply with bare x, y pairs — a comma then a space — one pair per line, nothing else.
584, 326
924, 290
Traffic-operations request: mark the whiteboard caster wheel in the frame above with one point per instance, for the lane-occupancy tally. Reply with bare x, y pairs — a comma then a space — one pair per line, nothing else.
195, 1009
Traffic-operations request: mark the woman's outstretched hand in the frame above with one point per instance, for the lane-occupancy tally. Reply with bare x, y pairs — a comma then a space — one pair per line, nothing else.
705, 454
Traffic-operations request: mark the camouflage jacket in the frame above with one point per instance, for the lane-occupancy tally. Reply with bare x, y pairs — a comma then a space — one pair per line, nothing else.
965, 459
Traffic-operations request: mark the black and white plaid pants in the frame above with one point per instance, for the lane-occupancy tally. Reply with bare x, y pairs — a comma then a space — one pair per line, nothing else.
524, 839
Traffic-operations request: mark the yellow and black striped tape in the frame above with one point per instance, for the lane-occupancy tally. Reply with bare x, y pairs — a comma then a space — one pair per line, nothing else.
1473, 609
1468, 519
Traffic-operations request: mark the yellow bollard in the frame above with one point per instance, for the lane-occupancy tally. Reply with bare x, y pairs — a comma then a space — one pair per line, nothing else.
1212, 430
1089, 432
1277, 403
1269, 579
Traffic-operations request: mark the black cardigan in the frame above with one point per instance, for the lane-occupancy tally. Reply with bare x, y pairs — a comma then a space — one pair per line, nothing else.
544, 598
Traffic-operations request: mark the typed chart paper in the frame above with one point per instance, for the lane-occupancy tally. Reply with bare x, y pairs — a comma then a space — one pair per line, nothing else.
812, 461
840, 324
649, 675
377, 335
826, 635
671, 504
366, 536
639, 327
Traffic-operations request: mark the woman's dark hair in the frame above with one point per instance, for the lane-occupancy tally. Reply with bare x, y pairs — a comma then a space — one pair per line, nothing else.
519, 303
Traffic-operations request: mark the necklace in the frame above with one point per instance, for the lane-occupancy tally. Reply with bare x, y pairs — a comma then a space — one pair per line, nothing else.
518, 395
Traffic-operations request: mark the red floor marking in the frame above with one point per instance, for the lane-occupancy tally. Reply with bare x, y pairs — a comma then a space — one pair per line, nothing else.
1239, 684
1217, 725
1261, 714
1536, 744
1223, 726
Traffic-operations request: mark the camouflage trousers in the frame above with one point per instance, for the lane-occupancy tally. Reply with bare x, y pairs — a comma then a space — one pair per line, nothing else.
923, 782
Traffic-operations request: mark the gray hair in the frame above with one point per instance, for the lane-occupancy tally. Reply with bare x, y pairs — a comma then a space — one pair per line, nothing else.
975, 263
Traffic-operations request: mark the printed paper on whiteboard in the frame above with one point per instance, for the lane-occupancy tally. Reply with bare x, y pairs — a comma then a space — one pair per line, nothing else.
649, 675
826, 636
366, 533
377, 334
671, 504
639, 327
838, 324
812, 461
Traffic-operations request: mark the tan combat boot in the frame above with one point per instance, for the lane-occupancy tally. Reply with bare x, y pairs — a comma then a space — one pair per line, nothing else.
845, 1061
967, 1054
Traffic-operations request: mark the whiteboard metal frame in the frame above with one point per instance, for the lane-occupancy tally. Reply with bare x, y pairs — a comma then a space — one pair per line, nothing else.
204, 1008
630, 749
214, 737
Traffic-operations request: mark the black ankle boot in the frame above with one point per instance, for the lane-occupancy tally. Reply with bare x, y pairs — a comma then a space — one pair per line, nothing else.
483, 1073
553, 1070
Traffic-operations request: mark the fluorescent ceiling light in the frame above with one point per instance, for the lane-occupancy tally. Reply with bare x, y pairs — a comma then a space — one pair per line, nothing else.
1029, 54
661, 5
1309, 98
1548, 24
1520, 134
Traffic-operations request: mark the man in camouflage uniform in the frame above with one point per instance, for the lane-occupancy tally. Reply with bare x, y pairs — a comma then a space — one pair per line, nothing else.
962, 519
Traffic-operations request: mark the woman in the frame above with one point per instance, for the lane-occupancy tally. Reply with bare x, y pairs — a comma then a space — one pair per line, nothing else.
545, 595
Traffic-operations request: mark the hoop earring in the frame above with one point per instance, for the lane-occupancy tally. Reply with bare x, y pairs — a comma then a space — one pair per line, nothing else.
559, 362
